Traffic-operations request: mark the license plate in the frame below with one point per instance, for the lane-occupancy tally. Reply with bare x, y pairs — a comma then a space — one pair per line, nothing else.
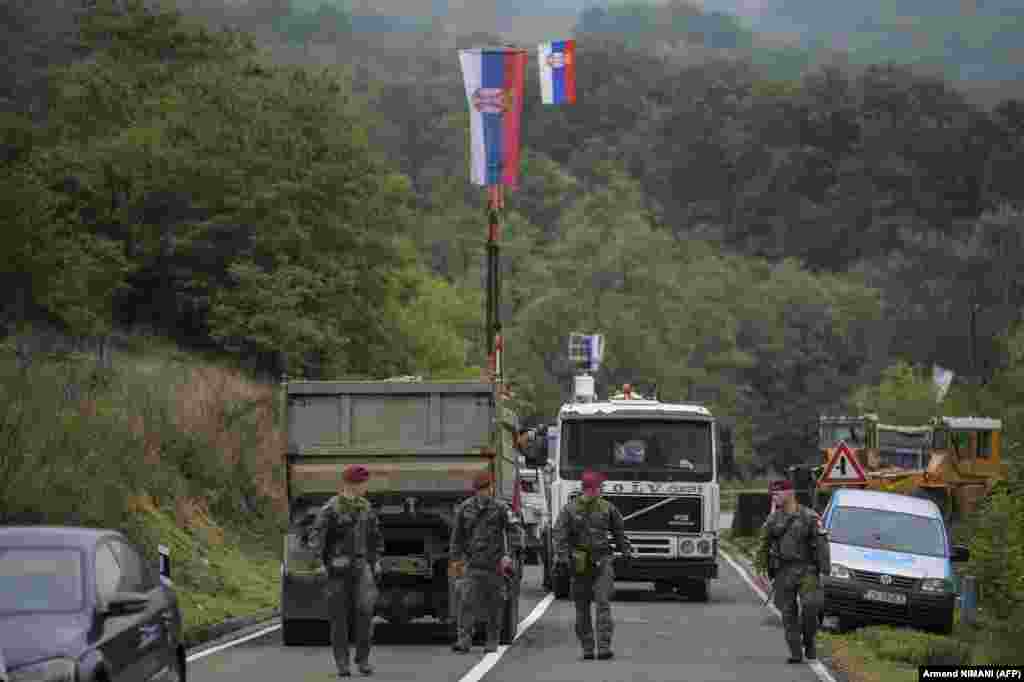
887, 597
412, 566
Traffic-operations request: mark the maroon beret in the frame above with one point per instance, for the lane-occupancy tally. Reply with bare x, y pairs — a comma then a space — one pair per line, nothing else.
779, 486
592, 480
356, 473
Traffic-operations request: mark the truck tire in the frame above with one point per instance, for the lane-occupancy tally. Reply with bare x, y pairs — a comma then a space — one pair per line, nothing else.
561, 585
296, 632
700, 590
510, 622
546, 567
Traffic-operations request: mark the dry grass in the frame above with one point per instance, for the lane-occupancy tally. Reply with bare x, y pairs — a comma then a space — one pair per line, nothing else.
213, 401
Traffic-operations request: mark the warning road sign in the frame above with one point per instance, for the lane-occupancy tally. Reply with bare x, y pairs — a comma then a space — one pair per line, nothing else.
843, 467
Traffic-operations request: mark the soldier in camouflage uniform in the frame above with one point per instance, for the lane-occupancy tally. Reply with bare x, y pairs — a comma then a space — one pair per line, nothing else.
582, 547
794, 554
347, 537
484, 535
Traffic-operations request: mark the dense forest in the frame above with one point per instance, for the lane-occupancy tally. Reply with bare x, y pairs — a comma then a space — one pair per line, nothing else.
765, 246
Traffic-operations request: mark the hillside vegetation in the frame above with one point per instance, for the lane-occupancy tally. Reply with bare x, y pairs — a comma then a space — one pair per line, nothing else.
161, 445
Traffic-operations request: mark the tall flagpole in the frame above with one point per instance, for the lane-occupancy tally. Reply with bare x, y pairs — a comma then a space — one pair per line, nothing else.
495, 202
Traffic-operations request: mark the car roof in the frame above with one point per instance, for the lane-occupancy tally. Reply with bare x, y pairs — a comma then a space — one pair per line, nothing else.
894, 502
64, 536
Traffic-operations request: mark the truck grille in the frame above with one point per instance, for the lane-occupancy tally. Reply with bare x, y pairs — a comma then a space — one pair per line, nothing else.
652, 547
682, 514
898, 581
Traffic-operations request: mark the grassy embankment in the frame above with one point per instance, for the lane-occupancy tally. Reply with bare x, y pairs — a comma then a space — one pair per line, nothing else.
730, 490
166, 447
882, 653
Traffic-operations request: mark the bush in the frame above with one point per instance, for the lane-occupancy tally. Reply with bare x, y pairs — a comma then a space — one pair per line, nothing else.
76, 451
914, 647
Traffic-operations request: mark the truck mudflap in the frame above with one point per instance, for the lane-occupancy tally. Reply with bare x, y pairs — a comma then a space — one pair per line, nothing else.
665, 570
302, 597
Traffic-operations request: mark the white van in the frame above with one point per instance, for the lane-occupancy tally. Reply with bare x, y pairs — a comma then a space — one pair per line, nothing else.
891, 561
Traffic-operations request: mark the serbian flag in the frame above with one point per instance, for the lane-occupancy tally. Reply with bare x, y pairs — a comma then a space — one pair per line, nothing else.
557, 62
494, 88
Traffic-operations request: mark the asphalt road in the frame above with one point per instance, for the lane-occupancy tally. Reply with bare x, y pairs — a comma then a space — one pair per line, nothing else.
656, 638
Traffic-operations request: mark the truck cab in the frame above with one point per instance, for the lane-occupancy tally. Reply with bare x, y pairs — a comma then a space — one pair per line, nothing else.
660, 463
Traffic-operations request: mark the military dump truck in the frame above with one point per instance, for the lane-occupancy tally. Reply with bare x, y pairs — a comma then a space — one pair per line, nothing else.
423, 443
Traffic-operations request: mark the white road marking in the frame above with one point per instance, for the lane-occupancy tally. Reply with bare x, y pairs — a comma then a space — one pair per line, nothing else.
477, 672
473, 675
234, 642
819, 669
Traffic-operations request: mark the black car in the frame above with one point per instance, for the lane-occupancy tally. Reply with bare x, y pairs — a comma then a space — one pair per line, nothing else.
83, 605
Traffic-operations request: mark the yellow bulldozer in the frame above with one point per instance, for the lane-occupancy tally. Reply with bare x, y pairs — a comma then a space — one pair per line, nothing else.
954, 461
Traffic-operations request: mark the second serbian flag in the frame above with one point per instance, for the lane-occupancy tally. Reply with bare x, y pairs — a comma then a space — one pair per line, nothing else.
557, 61
494, 86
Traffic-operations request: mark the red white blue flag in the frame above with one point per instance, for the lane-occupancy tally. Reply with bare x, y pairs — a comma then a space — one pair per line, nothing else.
494, 88
557, 61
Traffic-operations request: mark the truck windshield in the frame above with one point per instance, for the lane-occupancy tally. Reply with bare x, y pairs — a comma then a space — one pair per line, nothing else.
902, 448
888, 530
639, 450
852, 434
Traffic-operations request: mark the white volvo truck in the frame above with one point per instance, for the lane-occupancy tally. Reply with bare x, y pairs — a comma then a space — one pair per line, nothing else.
660, 460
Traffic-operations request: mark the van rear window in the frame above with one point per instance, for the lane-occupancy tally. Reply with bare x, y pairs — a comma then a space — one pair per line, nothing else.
892, 531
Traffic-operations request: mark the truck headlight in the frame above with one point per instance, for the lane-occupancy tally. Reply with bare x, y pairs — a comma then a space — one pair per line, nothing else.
54, 670
686, 546
704, 547
839, 571
938, 585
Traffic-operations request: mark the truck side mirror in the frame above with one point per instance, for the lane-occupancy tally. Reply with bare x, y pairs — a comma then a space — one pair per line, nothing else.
536, 453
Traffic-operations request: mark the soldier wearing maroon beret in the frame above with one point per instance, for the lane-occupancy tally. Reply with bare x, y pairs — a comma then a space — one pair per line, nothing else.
794, 553
481, 550
582, 547
346, 535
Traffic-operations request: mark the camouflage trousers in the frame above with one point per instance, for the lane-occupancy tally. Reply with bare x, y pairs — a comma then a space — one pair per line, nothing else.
482, 598
800, 621
351, 600
594, 588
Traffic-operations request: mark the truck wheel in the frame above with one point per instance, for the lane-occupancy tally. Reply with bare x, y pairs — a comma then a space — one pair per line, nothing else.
561, 585
296, 632
548, 562
699, 590
511, 621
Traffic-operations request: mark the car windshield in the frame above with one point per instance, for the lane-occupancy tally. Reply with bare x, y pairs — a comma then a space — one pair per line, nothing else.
40, 580
655, 450
887, 530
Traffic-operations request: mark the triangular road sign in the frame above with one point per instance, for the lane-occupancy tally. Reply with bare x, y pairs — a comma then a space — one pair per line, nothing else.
843, 467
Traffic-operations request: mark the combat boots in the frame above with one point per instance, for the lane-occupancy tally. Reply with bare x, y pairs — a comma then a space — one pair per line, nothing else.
810, 652
605, 654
